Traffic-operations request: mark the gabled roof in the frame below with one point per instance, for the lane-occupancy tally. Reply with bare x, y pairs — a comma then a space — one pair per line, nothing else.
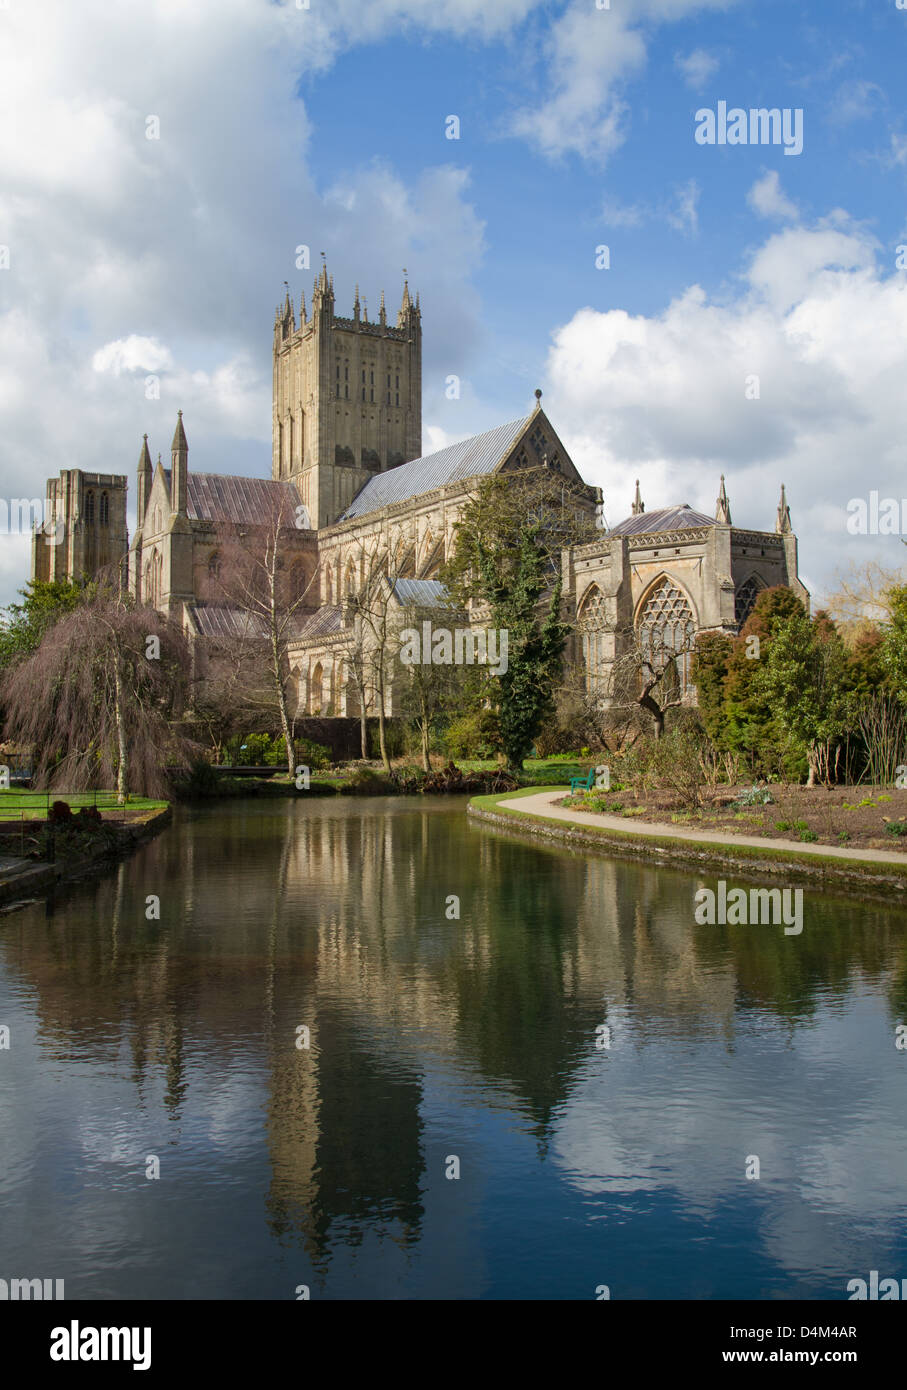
226, 497
477, 455
222, 620
681, 518
422, 593
325, 621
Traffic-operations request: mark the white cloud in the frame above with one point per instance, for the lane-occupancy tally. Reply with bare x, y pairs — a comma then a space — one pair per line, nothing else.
684, 215
591, 55
767, 198
663, 397
618, 214
696, 68
856, 101
131, 256
132, 354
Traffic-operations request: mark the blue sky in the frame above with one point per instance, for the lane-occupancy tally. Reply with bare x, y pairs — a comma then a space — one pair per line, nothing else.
280, 126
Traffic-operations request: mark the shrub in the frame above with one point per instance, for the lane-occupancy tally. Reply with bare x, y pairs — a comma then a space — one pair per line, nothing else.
554, 740
754, 796
679, 760
896, 827
60, 813
807, 836
313, 755
367, 782
474, 735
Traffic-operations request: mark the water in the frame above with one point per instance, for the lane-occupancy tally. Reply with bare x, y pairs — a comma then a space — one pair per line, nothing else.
433, 1040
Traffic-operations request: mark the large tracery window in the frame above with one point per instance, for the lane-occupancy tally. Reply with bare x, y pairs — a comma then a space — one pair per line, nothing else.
745, 599
666, 630
592, 624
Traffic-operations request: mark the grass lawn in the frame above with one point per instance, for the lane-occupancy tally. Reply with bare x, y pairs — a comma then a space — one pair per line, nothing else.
17, 804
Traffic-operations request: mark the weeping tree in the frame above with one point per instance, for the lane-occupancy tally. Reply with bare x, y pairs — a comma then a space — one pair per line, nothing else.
95, 700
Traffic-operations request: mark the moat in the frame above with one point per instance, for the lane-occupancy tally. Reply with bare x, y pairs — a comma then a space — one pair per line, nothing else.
439, 1046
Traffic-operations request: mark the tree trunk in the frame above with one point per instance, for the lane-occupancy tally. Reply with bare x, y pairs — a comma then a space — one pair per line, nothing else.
122, 750
657, 713
382, 739
426, 758
363, 723
282, 706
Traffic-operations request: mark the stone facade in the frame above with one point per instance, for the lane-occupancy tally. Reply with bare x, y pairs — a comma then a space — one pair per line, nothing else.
345, 466
85, 525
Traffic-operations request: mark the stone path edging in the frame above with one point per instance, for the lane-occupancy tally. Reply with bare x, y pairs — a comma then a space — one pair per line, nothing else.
647, 840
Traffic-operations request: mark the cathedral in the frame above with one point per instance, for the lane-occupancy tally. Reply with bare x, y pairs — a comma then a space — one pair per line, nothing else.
347, 465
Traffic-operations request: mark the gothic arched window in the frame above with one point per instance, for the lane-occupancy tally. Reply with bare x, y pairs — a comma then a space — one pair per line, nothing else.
89, 508
316, 689
745, 598
592, 622
105, 509
666, 629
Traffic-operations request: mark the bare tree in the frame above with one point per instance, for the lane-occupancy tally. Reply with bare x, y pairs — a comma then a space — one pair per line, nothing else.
647, 670
861, 596
256, 578
232, 693
373, 623
96, 699
429, 687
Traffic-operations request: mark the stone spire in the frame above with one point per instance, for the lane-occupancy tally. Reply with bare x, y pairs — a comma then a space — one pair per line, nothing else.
357, 307
179, 477
782, 523
146, 473
382, 312
722, 506
302, 309
407, 309
639, 505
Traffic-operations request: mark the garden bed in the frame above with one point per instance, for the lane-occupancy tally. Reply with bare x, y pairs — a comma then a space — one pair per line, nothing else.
856, 817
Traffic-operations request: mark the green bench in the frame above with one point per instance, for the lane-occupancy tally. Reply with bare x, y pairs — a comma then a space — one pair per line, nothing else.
583, 784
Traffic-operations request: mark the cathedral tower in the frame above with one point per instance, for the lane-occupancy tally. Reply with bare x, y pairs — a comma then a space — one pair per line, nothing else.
347, 397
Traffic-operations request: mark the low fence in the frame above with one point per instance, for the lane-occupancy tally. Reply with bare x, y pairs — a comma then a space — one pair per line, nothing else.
19, 809
28, 805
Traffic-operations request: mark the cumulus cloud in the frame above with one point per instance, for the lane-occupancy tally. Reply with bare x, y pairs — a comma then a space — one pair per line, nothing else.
131, 255
590, 57
664, 398
766, 198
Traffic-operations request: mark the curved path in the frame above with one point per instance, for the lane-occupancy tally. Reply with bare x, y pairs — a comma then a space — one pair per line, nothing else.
534, 813
542, 804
